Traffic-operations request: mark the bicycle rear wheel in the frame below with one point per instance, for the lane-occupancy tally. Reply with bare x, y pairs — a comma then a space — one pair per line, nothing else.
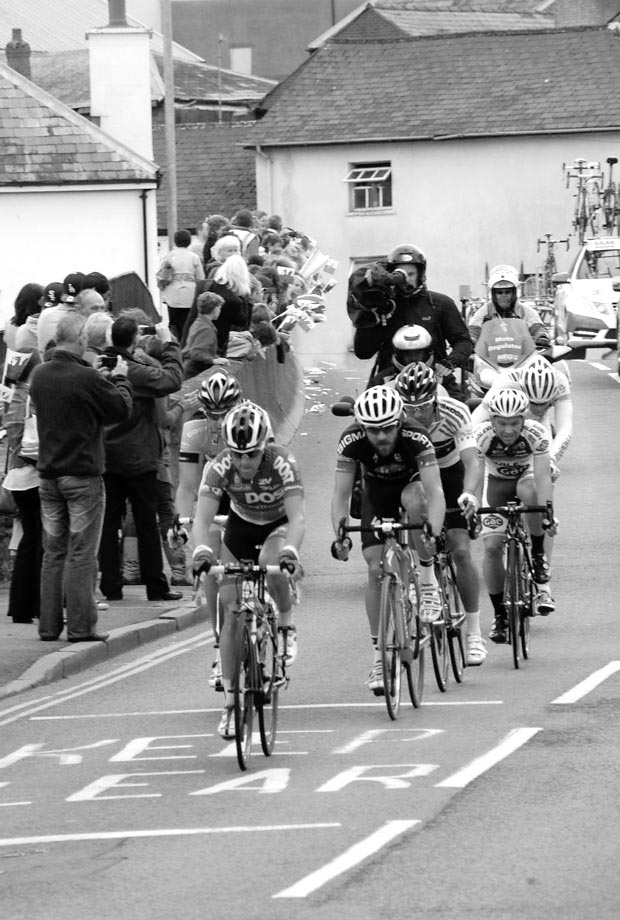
267, 697
527, 594
456, 622
414, 666
390, 643
439, 641
512, 599
244, 684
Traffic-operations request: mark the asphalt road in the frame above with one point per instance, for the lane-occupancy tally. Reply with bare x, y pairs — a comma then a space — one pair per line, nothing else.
497, 799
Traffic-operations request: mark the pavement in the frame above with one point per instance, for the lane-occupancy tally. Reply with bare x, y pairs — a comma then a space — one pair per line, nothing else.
27, 662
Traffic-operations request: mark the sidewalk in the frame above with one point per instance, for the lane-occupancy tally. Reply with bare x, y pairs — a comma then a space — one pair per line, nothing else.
26, 662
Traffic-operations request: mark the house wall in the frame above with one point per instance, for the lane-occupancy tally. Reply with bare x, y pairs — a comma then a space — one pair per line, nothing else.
46, 234
467, 203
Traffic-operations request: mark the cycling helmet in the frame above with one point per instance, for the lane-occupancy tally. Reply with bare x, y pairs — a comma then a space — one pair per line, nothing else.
219, 392
416, 383
378, 407
408, 255
246, 427
508, 403
538, 381
409, 339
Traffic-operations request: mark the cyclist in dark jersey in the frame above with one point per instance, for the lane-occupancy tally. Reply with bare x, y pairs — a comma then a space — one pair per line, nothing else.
400, 471
266, 523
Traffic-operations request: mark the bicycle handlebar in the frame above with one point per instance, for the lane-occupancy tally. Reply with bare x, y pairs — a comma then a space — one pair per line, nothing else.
518, 508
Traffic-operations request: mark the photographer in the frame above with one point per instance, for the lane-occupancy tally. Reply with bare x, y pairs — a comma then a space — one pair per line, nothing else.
133, 450
385, 296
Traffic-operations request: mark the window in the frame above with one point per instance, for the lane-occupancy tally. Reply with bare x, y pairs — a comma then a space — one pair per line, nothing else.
241, 59
370, 186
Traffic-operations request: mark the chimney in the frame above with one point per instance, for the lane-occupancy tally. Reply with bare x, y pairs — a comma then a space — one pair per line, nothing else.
120, 80
568, 13
18, 54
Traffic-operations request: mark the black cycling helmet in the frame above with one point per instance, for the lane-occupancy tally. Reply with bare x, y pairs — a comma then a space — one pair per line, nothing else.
408, 255
219, 392
416, 383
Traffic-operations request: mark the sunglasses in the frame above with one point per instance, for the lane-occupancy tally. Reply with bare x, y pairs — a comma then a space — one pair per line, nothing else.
250, 454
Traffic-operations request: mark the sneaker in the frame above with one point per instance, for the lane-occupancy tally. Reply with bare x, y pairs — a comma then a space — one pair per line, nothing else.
498, 631
287, 644
215, 680
430, 603
375, 678
226, 728
544, 602
541, 568
476, 651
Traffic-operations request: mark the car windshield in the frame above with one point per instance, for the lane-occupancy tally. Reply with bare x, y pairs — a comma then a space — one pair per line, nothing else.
603, 263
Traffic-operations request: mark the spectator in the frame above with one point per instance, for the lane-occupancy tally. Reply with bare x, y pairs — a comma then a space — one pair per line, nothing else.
71, 462
97, 282
98, 332
133, 452
187, 269
274, 222
242, 226
200, 351
273, 246
22, 480
225, 246
232, 281
214, 227
27, 305
49, 319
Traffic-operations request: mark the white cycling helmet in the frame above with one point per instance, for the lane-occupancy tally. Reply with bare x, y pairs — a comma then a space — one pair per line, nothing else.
508, 403
378, 407
246, 428
538, 380
410, 339
503, 275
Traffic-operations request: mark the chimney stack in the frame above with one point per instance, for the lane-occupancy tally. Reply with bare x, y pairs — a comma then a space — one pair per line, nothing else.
118, 15
18, 54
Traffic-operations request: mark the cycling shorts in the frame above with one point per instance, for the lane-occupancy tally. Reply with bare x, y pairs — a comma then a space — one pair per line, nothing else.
452, 483
381, 499
498, 492
245, 540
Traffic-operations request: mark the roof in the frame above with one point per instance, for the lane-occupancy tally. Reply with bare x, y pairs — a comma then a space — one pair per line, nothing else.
62, 26
431, 17
43, 142
65, 74
215, 173
474, 85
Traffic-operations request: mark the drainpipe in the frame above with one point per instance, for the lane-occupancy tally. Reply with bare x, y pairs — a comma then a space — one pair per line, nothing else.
266, 156
145, 239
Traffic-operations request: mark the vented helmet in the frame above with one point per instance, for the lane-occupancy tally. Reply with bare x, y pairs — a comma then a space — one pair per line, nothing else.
378, 407
508, 403
408, 339
538, 380
246, 427
408, 255
219, 392
416, 383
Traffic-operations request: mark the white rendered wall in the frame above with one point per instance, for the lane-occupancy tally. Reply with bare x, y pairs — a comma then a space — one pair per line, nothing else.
45, 235
466, 203
120, 85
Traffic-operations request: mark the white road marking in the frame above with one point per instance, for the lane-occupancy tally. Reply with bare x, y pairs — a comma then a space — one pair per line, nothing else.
374, 735
347, 860
513, 740
8, 804
173, 832
181, 712
585, 686
614, 377
601, 367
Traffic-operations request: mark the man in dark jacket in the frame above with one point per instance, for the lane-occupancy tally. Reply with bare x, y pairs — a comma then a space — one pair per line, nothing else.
133, 449
387, 295
73, 402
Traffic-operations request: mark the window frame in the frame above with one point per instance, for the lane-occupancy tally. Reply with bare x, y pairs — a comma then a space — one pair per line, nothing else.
373, 182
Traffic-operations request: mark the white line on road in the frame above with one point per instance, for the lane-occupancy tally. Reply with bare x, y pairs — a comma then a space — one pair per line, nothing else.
513, 740
614, 377
347, 860
581, 689
173, 832
601, 367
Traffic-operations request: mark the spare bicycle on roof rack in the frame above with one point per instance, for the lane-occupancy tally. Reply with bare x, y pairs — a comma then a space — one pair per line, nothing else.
588, 214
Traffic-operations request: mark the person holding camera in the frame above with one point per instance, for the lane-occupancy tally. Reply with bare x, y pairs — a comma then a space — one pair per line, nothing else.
385, 296
133, 451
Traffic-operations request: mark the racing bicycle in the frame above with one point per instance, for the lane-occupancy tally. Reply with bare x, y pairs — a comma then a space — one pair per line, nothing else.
520, 588
611, 209
447, 644
588, 196
402, 639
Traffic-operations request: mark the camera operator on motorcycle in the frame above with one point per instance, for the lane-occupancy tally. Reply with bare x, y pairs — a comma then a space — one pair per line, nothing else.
387, 295
504, 304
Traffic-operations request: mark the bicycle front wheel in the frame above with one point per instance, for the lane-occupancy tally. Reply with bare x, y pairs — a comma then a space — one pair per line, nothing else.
512, 598
390, 644
439, 641
418, 640
527, 594
456, 622
244, 684
267, 697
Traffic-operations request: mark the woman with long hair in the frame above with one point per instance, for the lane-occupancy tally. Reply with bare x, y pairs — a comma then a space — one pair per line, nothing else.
233, 282
27, 306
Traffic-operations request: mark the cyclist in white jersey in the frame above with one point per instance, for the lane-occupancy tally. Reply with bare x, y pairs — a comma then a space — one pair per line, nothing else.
449, 425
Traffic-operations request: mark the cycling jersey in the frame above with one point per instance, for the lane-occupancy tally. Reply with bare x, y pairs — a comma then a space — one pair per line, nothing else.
259, 500
511, 461
514, 380
201, 439
450, 431
412, 449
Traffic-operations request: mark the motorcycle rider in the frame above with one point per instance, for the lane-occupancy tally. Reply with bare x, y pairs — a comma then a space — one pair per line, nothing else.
504, 304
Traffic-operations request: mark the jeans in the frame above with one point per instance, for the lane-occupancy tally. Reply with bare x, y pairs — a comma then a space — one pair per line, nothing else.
24, 602
143, 494
72, 510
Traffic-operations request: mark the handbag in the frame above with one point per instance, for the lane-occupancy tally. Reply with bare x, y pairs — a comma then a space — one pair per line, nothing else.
30, 438
165, 275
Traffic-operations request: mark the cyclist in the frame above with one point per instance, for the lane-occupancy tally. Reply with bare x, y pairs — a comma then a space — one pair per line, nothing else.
201, 440
400, 470
265, 523
514, 452
504, 289
449, 425
389, 294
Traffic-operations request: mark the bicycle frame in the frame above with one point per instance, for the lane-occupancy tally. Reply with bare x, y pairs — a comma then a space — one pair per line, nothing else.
587, 205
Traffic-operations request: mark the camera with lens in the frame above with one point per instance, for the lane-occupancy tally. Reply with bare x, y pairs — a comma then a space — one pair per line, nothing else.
108, 361
147, 330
